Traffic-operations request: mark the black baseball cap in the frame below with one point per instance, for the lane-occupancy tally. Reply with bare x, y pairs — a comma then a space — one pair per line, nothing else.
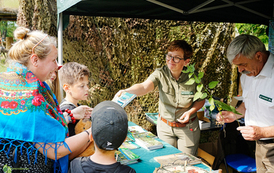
109, 125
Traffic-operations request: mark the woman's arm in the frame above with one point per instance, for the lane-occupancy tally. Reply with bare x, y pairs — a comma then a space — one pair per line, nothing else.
80, 150
138, 89
75, 143
196, 106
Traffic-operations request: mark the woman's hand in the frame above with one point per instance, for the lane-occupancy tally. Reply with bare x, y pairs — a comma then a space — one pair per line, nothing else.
184, 118
118, 94
225, 117
81, 112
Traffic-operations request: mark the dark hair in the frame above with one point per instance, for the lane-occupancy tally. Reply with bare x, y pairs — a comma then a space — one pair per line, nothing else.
181, 44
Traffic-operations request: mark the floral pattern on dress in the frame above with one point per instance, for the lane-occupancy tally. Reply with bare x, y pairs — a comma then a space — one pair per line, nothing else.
20, 97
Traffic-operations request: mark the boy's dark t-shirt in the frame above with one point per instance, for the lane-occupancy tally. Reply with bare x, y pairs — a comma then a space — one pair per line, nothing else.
85, 165
68, 105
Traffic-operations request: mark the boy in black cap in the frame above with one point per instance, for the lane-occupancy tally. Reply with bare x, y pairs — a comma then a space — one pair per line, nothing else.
109, 130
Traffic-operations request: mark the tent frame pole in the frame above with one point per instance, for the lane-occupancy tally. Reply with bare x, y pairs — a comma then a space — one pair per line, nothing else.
60, 46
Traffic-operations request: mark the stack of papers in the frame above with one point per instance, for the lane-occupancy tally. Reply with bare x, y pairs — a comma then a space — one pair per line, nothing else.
147, 140
144, 138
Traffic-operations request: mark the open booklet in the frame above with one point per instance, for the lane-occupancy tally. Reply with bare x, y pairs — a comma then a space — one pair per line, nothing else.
124, 99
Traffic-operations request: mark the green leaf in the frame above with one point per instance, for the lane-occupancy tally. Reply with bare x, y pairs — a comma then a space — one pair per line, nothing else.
7, 169
191, 68
186, 71
211, 101
226, 107
197, 96
204, 96
197, 80
190, 75
234, 110
190, 81
199, 87
213, 84
201, 75
212, 107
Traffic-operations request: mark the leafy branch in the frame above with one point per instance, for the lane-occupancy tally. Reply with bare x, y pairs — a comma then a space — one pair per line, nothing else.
204, 91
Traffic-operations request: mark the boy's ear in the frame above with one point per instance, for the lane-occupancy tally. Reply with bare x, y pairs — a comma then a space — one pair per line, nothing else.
66, 87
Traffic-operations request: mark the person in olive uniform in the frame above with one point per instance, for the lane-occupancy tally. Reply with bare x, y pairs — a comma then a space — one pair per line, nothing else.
177, 123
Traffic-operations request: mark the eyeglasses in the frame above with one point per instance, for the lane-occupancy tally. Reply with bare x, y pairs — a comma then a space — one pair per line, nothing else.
175, 59
37, 44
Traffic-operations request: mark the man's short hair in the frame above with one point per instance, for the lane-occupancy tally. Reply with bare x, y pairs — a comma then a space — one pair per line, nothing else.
246, 45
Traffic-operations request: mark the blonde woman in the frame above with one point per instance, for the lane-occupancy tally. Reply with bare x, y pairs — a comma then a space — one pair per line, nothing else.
33, 130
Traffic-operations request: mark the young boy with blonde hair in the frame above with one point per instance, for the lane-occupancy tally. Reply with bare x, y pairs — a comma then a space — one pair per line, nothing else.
74, 79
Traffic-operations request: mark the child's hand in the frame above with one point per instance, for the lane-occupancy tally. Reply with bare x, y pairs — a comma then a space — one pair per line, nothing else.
81, 112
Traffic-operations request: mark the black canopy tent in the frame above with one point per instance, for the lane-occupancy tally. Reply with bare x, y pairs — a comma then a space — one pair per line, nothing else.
236, 11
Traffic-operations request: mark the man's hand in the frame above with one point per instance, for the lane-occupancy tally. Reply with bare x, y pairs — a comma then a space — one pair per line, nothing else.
225, 117
251, 133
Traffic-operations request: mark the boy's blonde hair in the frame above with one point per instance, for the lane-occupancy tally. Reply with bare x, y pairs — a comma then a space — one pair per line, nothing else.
72, 72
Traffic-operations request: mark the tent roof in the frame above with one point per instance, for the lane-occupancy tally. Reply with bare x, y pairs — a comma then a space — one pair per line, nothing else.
236, 11
9, 9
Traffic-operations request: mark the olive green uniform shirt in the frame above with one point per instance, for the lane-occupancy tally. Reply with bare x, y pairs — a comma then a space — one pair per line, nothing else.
175, 97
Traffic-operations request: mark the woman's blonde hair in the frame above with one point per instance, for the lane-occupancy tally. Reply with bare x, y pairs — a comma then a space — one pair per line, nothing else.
30, 42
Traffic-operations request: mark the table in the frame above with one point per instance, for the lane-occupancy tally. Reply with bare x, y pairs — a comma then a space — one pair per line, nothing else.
147, 163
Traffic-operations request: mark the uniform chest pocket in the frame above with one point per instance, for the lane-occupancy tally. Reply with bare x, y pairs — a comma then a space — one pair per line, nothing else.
185, 100
168, 90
